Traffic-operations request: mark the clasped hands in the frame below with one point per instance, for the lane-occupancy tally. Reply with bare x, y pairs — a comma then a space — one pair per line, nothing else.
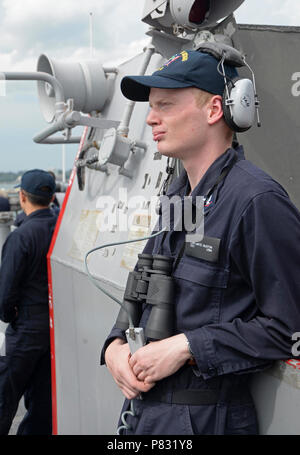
140, 371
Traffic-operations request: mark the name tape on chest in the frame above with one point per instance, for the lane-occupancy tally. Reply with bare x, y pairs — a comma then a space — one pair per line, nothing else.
207, 249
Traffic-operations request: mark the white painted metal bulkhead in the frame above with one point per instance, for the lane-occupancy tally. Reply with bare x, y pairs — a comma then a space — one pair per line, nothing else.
82, 316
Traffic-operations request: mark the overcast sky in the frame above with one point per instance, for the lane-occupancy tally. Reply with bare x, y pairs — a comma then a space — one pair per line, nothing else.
60, 29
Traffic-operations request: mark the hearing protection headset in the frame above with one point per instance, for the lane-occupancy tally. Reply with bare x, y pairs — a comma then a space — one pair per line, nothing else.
239, 100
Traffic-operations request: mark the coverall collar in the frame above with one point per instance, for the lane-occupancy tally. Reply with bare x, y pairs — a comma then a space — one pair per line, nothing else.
181, 184
37, 213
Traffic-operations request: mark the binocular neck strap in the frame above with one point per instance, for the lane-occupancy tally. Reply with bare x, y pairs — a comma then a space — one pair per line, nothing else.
220, 178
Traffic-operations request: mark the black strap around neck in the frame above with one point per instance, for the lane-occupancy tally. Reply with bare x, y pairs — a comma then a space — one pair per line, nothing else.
220, 178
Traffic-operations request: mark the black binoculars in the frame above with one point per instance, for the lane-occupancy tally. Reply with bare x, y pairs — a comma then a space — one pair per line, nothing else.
151, 283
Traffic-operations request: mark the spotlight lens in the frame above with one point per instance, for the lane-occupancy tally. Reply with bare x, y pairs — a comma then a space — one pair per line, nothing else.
198, 11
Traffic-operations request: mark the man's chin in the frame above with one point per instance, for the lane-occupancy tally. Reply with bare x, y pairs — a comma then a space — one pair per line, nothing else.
167, 152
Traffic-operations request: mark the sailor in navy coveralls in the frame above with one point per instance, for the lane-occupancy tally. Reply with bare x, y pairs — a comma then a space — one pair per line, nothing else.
25, 369
237, 309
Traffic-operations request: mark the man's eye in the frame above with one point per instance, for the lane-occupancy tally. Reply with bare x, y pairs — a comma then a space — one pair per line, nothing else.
165, 105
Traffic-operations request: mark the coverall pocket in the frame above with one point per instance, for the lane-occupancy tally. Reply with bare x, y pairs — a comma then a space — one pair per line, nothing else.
201, 272
199, 292
161, 419
241, 419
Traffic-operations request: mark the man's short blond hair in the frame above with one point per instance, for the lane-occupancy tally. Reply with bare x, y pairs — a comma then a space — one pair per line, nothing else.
202, 97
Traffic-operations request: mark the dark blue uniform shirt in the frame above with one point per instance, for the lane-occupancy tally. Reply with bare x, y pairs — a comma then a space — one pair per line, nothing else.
4, 204
23, 273
240, 311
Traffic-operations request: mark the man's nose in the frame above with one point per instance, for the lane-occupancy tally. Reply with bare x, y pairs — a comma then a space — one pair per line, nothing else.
152, 118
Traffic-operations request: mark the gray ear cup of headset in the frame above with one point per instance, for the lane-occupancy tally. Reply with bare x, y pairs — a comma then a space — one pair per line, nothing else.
239, 104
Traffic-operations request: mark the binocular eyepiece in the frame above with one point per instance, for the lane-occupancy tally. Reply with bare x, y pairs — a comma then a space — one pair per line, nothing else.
153, 284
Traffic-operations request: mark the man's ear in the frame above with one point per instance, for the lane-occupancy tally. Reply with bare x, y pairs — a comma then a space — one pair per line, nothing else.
22, 196
214, 109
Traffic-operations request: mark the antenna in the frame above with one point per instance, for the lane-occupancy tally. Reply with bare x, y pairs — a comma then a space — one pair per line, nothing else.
91, 36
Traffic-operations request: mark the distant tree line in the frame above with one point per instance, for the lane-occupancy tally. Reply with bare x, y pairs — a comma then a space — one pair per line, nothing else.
10, 177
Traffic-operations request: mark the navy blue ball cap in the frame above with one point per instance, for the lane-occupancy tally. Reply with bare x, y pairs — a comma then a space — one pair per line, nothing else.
186, 69
38, 183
